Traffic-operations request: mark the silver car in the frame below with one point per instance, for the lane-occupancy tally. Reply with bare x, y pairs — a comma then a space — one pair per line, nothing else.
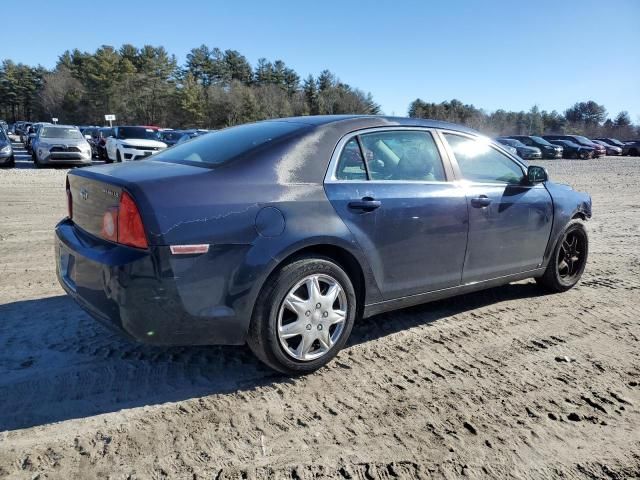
61, 144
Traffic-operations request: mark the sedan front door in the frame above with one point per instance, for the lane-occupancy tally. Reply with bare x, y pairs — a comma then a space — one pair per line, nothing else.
509, 220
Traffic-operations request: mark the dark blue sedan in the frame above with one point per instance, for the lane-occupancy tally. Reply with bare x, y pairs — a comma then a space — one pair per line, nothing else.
282, 233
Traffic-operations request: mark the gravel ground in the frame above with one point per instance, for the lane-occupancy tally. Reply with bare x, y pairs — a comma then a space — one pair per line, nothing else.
501, 383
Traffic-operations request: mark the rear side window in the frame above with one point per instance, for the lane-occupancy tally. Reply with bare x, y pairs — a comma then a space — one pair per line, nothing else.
479, 162
221, 146
402, 155
351, 164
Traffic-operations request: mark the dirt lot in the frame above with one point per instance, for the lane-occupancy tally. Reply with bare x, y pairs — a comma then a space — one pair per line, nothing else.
504, 383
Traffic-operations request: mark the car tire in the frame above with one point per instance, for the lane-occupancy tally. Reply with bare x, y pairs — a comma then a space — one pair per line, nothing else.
561, 275
272, 313
118, 157
12, 162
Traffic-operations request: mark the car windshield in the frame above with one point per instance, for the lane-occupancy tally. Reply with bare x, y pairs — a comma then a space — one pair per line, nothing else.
3, 137
61, 132
616, 142
584, 140
512, 142
106, 132
540, 140
137, 133
171, 135
224, 145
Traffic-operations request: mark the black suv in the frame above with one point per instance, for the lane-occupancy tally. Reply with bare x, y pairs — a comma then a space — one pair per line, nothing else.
599, 150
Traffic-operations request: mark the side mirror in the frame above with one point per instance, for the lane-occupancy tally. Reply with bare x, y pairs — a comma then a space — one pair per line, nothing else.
537, 174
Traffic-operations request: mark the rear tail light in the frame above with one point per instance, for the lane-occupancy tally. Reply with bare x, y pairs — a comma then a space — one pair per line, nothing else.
69, 200
123, 224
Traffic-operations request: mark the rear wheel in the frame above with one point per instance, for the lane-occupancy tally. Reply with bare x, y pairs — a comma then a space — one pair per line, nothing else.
568, 261
303, 316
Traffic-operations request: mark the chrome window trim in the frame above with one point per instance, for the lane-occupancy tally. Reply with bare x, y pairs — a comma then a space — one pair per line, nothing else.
330, 175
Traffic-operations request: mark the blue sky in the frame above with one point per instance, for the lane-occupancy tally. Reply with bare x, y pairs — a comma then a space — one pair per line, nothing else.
494, 54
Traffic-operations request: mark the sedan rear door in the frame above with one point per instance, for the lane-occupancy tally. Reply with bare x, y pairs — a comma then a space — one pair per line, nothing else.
401, 205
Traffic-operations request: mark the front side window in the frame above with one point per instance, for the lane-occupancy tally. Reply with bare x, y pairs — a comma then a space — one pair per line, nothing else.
479, 162
402, 155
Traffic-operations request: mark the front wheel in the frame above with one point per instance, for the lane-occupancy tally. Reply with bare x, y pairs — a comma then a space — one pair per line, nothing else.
118, 157
303, 316
568, 261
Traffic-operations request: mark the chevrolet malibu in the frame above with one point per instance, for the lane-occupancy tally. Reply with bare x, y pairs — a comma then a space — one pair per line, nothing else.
281, 234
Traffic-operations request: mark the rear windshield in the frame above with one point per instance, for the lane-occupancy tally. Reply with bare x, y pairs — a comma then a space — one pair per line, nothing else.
221, 146
61, 132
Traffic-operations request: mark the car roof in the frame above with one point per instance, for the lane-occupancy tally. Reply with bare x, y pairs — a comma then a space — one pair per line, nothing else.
364, 121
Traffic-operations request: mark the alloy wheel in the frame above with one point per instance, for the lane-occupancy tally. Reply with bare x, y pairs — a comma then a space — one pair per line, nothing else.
312, 317
571, 255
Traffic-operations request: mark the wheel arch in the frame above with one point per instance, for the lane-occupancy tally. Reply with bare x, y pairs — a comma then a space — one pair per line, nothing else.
358, 272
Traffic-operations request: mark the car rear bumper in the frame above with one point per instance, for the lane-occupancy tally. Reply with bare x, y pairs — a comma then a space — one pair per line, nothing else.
150, 295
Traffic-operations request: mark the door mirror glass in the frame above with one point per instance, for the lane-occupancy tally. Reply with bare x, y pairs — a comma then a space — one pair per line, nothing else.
537, 174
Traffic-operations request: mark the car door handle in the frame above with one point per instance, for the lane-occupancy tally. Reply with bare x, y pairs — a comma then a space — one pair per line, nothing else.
481, 201
367, 204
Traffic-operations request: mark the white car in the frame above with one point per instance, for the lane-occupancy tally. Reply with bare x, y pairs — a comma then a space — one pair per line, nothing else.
132, 143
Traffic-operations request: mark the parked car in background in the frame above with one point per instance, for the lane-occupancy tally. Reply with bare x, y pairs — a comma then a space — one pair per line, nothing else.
574, 150
632, 148
510, 149
24, 131
61, 145
91, 134
189, 134
133, 143
280, 233
33, 132
612, 141
547, 149
170, 137
523, 151
100, 141
599, 150
609, 149
7, 158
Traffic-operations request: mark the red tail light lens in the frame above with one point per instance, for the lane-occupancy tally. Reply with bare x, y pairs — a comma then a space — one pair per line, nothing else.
130, 229
69, 200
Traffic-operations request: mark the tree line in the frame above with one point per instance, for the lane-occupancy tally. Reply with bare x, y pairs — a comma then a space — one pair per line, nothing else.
216, 88
147, 86
583, 118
